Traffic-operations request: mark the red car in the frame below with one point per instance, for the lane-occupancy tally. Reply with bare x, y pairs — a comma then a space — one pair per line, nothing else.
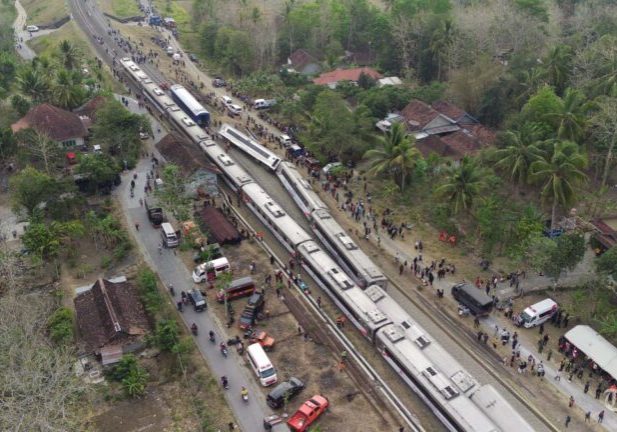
308, 413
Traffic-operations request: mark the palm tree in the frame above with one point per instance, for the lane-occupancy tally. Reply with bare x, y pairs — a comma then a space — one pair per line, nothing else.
530, 81
397, 156
441, 39
69, 56
32, 83
463, 184
66, 93
559, 173
522, 149
572, 117
558, 66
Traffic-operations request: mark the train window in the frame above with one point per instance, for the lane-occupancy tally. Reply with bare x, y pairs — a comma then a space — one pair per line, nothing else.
431, 371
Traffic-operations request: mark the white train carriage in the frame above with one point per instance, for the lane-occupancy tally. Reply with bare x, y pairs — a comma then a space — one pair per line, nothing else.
299, 189
283, 226
493, 404
359, 308
235, 175
250, 146
404, 350
353, 259
149, 88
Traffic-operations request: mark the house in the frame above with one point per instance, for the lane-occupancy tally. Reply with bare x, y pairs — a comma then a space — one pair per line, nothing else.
604, 236
110, 318
64, 127
445, 129
303, 62
332, 78
90, 108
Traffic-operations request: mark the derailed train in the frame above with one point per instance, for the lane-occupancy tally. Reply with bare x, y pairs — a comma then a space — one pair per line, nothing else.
456, 397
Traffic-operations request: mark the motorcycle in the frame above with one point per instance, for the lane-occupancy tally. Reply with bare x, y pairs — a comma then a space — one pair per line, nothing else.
225, 382
172, 291
211, 337
194, 329
245, 394
223, 350
179, 304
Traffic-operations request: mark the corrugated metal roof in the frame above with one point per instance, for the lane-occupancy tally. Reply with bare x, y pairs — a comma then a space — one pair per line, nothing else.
595, 347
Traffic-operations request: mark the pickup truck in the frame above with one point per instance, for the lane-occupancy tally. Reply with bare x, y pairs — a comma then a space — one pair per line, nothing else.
307, 413
155, 212
262, 338
251, 310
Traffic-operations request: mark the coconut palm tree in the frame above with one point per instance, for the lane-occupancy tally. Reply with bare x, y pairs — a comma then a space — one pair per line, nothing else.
397, 156
559, 173
522, 149
463, 184
530, 81
571, 119
558, 66
69, 55
33, 83
66, 92
441, 39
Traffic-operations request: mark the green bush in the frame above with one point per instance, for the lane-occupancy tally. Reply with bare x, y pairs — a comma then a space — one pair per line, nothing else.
149, 291
132, 376
61, 326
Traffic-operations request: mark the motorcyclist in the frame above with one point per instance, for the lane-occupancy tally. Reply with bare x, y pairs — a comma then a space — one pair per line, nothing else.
172, 291
211, 335
225, 382
223, 349
194, 328
244, 393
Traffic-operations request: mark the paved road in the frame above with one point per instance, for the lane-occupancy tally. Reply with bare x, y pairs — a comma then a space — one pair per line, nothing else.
173, 271
21, 34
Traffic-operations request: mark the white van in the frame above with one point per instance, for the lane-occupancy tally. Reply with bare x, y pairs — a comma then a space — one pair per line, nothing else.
538, 313
168, 234
285, 140
210, 270
261, 365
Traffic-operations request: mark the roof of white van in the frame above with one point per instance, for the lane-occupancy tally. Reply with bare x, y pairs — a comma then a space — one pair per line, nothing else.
543, 305
595, 346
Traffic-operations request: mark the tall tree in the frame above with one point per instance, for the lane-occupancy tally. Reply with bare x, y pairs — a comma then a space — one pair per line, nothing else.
441, 41
463, 184
33, 83
66, 90
69, 55
559, 175
571, 116
604, 131
397, 156
40, 149
558, 64
521, 150
30, 188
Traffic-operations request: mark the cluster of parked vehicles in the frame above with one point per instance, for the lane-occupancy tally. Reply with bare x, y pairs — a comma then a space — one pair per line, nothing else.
451, 392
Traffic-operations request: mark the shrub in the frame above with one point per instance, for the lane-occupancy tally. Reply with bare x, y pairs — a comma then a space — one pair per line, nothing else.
132, 376
61, 326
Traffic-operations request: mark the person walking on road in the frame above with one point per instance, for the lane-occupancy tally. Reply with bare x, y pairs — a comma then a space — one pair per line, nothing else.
137, 226
571, 402
587, 416
568, 420
601, 416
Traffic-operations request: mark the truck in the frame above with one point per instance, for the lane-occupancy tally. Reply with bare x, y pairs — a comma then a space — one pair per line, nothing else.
155, 211
302, 419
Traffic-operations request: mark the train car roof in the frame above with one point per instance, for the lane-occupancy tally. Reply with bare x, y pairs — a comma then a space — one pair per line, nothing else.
314, 202
449, 389
285, 223
188, 99
227, 165
249, 145
493, 404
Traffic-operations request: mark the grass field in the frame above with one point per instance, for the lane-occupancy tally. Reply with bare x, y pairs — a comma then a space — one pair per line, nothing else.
47, 46
44, 12
7, 13
120, 8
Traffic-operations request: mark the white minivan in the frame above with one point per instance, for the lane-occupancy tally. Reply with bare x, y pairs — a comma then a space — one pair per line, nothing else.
538, 313
210, 270
168, 235
261, 365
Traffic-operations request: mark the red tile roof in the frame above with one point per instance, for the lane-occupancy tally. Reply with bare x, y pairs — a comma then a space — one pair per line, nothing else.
90, 108
462, 142
110, 314
482, 133
300, 58
56, 123
417, 115
219, 227
448, 109
345, 75
434, 144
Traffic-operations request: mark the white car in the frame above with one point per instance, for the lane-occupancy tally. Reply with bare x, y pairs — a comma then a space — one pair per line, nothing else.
227, 100
32, 28
234, 109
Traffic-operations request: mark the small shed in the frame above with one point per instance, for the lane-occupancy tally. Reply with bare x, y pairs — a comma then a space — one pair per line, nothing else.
220, 229
594, 346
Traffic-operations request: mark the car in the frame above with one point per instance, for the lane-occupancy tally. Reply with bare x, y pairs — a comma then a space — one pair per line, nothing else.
253, 308
262, 338
193, 58
226, 100
143, 135
197, 300
308, 413
331, 167
284, 392
285, 140
32, 28
219, 82
234, 109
